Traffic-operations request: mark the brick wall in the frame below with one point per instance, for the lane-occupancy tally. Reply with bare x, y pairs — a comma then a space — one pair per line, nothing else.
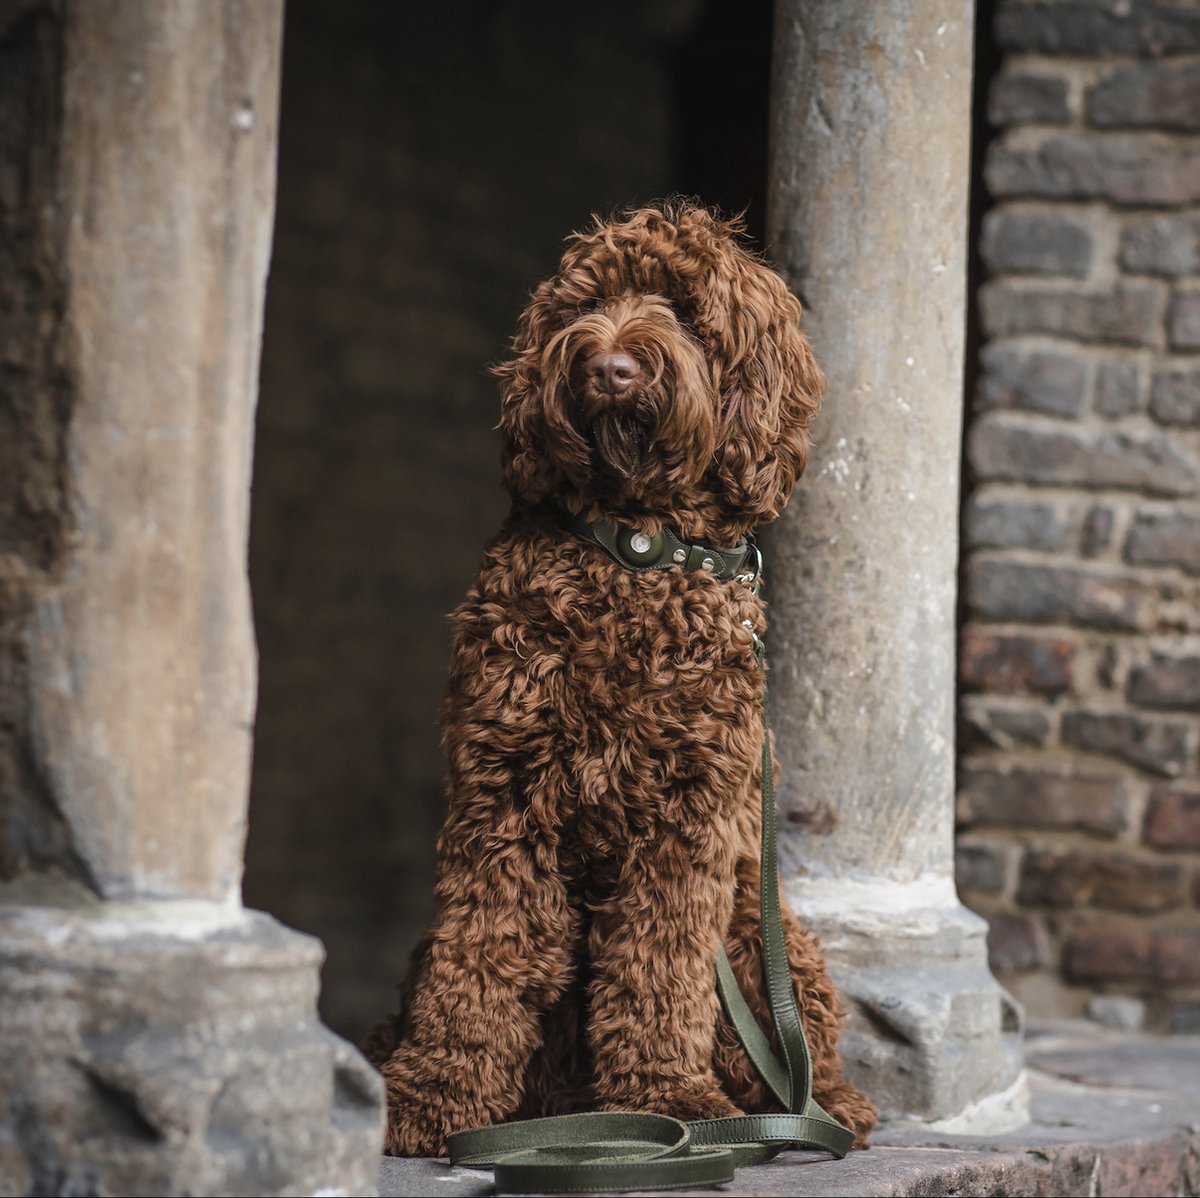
1080, 658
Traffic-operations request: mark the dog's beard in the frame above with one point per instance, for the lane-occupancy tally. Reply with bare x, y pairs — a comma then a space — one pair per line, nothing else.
623, 437
663, 425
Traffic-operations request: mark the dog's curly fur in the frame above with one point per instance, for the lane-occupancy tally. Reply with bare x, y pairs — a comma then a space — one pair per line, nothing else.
603, 726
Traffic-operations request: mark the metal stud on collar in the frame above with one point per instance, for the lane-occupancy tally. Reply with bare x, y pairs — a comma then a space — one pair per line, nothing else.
663, 549
638, 547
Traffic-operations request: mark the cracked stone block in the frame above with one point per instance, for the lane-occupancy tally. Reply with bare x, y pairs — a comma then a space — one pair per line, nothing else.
167, 1048
1117, 1011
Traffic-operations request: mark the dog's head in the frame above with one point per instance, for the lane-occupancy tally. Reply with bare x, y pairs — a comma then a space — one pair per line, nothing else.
662, 376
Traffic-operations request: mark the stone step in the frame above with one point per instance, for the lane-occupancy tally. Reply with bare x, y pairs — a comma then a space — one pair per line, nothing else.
1113, 1114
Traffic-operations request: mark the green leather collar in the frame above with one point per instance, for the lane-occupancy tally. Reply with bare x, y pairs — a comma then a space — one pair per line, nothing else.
664, 551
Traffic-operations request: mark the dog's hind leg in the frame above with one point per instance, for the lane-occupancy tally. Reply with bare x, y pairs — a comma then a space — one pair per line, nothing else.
819, 1009
653, 995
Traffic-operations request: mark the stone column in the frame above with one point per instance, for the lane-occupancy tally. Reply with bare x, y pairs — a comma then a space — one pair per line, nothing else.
155, 1037
868, 216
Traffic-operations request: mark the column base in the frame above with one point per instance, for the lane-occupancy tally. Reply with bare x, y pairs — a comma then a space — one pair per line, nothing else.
930, 1037
163, 1047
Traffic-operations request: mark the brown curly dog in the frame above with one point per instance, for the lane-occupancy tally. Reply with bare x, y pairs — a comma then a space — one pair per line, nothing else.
603, 725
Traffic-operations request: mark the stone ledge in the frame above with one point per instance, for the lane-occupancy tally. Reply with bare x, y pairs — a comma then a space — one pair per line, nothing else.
159, 1047
1113, 1114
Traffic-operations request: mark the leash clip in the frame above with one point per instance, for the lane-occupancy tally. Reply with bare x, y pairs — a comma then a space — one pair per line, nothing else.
760, 646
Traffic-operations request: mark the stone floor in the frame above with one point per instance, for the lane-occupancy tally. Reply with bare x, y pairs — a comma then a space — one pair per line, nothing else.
1113, 1114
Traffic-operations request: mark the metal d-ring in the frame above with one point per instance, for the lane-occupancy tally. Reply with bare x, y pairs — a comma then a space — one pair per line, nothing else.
754, 577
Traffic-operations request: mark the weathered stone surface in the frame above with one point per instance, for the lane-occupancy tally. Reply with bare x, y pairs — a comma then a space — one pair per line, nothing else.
1036, 381
1185, 1020
1003, 662
34, 419
1173, 817
1140, 954
1166, 680
1097, 598
1183, 320
1091, 1130
1175, 398
881, 487
1086, 28
1098, 527
1118, 389
833, 529
897, 1021
1128, 165
984, 724
1017, 942
1170, 538
1001, 522
174, 1048
1127, 314
1043, 798
1037, 594
1003, 450
1036, 241
1117, 1011
1168, 244
154, 1037
1160, 746
1097, 531
1112, 954
1155, 94
981, 866
1123, 168
1113, 880
136, 668
1108, 664
1016, 99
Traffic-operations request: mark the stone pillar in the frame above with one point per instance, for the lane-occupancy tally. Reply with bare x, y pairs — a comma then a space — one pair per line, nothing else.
155, 1037
868, 216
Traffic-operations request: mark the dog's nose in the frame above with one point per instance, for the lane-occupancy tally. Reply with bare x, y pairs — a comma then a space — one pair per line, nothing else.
612, 372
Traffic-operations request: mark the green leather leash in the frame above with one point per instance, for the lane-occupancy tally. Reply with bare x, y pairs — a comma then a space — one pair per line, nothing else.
610, 1151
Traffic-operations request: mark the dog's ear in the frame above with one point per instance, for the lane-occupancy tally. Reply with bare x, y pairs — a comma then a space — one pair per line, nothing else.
770, 385
532, 419
526, 469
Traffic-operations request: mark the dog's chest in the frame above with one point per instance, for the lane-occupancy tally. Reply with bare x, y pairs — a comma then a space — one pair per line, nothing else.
639, 694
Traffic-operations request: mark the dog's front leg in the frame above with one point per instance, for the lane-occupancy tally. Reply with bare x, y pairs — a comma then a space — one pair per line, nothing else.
499, 952
497, 958
653, 998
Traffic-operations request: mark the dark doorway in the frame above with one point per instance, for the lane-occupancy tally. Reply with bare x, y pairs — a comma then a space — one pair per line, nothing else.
432, 158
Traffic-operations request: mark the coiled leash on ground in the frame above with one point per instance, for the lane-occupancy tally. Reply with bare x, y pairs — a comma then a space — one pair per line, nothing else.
632, 1150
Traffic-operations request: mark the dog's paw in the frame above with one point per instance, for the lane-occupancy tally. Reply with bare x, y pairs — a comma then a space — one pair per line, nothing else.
692, 1105
413, 1136
689, 1103
853, 1109
416, 1126
419, 1116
